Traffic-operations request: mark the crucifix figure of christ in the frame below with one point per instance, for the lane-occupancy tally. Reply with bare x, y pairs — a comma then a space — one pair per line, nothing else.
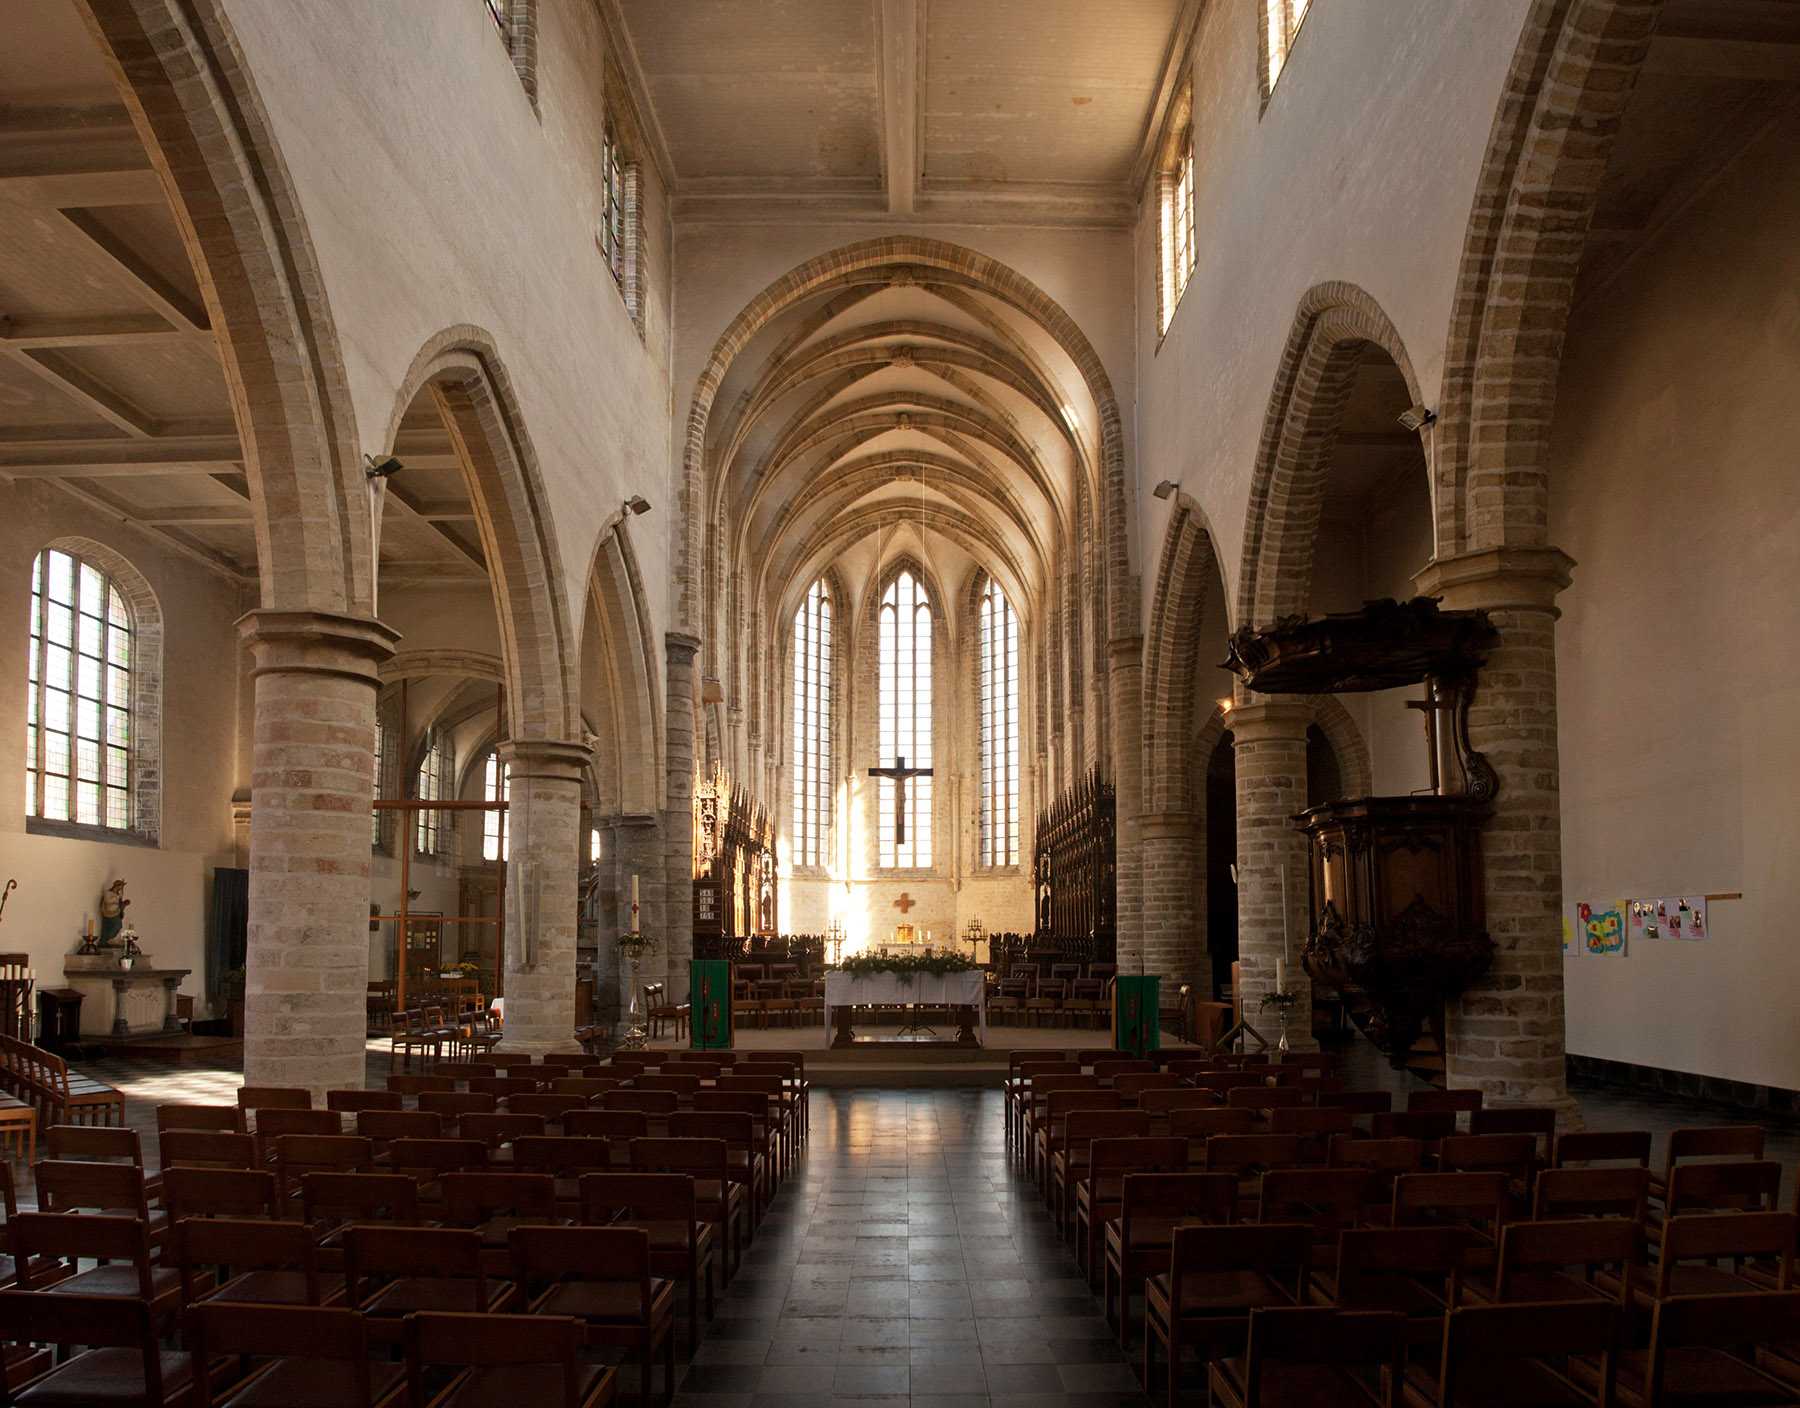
900, 772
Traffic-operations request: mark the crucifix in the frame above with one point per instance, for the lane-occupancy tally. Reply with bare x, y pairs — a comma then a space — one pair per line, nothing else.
900, 772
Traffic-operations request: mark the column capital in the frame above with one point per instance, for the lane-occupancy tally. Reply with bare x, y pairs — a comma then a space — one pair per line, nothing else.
1125, 651
680, 647
316, 642
1497, 578
1156, 826
559, 759
1278, 720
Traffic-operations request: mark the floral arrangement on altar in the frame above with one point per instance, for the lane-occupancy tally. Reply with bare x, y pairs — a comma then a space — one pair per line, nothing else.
865, 965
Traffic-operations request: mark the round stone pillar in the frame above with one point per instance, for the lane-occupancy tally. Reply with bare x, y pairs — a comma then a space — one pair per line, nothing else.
1269, 739
1125, 676
677, 948
1174, 891
312, 786
1506, 1031
543, 861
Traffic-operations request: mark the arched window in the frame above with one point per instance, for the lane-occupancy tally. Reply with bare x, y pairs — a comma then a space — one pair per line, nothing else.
812, 727
999, 646
79, 733
434, 784
905, 723
1281, 23
496, 785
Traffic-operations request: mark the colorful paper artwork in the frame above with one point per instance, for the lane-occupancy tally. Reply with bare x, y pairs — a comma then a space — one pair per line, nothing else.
1603, 930
1680, 917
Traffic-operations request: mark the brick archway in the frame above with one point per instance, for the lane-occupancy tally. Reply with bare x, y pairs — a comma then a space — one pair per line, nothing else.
195, 106
1331, 328
464, 374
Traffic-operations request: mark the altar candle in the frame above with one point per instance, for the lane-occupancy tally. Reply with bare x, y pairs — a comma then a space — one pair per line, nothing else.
1281, 975
634, 904
1287, 938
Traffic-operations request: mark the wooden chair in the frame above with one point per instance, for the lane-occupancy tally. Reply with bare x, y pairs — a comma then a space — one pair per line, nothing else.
617, 1127
1328, 1200
274, 1097
1415, 1272
382, 1127
1139, 1241
1476, 1201
297, 1155
227, 1119
1539, 1121
1713, 1143
745, 1165
764, 1123
565, 1159
506, 1359
1384, 1159
1024, 1068
72, 1185
717, 1200
1611, 1146
1305, 1354
1216, 1277
1048, 1123
1515, 1155
426, 1161
1591, 1191
662, 1205
205, 1148
271, 1125
1248, 1156
311, 1357
587, 1087
351, 1102
1069, 1155
546, 1105
492, 1204
1457, 1101
663, 1014
1199, 1124
1428, 1125
1495, 1354
1704, 1350
102, 1144
330, 1202
497, 1131
49, 1247
220, 1192
1535, 1260
121, 1366
452, 1105
418, 1085
1317, 1127
601, 1277
393, 1272
1694, 1242
252, 1261
1097, 1197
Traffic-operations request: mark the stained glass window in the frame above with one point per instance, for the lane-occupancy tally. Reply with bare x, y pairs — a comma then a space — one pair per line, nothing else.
496, 785
78, 728
999, 646
812, 727
905, 720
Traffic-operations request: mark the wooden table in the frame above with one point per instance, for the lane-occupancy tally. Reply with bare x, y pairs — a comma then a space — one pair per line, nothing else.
966, 992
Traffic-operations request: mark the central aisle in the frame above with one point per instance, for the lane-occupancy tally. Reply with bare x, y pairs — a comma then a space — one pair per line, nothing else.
905, 1262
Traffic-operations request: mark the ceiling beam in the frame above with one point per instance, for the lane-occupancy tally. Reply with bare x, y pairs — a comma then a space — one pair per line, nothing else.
899, 77
96, 497
84, 388
194, 516
96, 330
1748, 60
88, 459
411, 509
158, 292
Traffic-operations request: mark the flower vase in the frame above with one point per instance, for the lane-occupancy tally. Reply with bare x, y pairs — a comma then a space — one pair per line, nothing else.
636, 1036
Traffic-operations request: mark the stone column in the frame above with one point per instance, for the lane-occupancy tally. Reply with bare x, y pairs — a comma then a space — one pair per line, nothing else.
1506, 1032
639, 840
312, 785
1269, 739
543, 862
1126, 679
1174, 904
678, 817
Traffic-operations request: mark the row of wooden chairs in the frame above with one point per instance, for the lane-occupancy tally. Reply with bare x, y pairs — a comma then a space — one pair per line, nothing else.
40, 1080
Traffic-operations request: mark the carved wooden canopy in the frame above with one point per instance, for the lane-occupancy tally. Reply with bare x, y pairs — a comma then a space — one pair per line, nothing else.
1385, 645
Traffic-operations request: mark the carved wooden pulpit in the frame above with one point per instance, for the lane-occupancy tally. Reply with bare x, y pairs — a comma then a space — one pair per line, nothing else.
1398, 907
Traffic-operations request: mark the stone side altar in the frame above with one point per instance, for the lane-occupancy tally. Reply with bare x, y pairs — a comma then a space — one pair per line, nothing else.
124, 1003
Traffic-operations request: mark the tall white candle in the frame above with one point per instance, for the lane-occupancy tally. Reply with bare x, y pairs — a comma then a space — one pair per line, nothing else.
1287, 937
634, 904
1281, 975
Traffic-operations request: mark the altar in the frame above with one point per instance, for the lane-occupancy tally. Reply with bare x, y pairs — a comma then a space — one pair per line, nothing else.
124, 1003
965, 991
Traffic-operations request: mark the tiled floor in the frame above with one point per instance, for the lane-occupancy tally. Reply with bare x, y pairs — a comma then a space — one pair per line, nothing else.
905, 1262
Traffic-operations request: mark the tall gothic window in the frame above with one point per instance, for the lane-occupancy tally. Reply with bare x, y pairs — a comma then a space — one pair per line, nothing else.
812, 727
496, 786
1282, 19
1177, 234
383, 747
905, 720
999, 648
434, 783
78, 734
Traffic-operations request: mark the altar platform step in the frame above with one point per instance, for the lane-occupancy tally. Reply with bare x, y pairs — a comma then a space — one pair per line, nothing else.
181, 1050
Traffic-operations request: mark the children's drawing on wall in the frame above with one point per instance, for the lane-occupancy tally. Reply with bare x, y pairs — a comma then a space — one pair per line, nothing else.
1603, 930
1681, 917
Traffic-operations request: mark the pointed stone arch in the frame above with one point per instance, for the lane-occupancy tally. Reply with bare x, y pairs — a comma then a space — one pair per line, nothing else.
1318, 365
626, 774
466, 377
1171, 644
196, 107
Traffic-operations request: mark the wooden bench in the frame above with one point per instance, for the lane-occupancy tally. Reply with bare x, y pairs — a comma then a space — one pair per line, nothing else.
40, 1079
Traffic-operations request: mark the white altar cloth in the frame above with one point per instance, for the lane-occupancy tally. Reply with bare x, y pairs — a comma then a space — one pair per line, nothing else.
889, 990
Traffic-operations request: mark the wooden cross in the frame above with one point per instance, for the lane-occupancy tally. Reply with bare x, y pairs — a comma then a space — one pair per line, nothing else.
905, 902
900, 772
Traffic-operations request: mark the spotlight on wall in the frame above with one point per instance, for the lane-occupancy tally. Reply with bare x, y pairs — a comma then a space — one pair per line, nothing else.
1225, 704
1418, 417
1166, 489
384, 468
637, 503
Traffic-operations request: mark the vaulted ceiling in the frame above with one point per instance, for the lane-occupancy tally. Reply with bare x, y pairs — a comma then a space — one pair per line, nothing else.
1037, 110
